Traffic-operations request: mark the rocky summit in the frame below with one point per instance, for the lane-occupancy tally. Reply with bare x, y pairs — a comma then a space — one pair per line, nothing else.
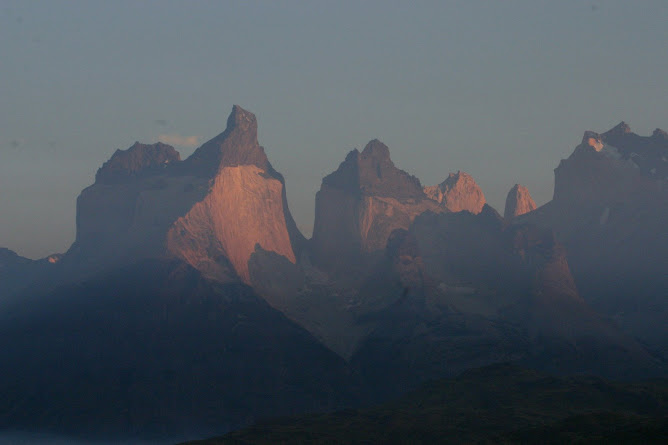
361, 203
518, 202
458, 192
210, 210
610, 210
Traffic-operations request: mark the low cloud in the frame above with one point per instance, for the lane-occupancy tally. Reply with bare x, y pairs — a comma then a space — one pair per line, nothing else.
161, 122
177, 139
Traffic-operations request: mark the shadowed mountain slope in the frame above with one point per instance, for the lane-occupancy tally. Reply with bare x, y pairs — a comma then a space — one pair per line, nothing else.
155, 349
610, 210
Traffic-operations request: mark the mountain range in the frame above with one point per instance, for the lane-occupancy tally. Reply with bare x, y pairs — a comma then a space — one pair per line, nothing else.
190, 303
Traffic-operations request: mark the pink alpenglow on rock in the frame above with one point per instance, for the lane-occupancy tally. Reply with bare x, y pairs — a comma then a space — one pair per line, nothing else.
518, 202
458, 192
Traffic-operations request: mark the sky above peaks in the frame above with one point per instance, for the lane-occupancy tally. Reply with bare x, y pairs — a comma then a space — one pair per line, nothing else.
501, 90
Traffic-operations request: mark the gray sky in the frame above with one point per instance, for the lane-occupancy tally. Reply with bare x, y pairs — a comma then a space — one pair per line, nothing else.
500, 89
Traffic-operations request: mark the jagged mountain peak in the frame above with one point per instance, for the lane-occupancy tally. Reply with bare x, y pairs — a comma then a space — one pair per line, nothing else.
589, 135
372, 172
210, 210
647, 154
518, 202
237, 145
242, 120
591, 141
619, 129
458, 192
361, 203
459, 176
137, 159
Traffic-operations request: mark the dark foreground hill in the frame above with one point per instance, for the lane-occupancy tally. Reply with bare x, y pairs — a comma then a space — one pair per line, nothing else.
496, 404
156, 350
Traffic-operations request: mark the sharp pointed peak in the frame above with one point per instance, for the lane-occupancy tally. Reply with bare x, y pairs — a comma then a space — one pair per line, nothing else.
241, 119
354, 153
619, 129
518, 202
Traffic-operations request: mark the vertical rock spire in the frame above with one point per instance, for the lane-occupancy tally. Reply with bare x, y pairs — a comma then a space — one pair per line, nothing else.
518, 202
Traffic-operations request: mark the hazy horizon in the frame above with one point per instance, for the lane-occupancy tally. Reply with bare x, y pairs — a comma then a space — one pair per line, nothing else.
502, 91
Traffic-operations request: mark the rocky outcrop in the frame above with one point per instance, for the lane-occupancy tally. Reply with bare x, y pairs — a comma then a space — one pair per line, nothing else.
518, 202
615, 166
210, 210
361, 203
458, 192
648, 153
138, 160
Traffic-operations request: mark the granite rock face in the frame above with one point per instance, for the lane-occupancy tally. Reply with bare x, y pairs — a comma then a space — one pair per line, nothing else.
518, 202
458, 192
361, 203
210, 210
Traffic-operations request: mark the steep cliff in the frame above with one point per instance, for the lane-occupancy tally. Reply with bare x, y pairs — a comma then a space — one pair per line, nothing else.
361, 203
210, 210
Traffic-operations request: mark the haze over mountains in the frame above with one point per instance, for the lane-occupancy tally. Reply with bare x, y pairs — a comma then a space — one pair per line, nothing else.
190, 301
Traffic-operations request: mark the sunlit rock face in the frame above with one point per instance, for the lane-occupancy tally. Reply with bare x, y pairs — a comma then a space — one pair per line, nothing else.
457, 193
361, 203
518, 202
242, 208
210, 210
